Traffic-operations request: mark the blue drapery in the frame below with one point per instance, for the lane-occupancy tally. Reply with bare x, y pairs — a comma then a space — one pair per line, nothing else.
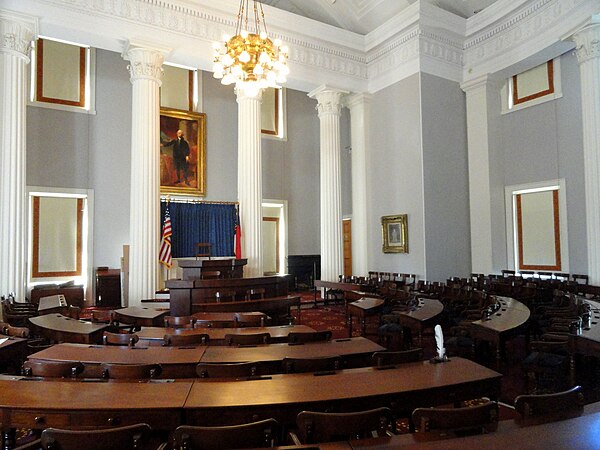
200, 222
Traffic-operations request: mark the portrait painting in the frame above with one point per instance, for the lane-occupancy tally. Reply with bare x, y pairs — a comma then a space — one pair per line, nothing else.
182, 152
395, 233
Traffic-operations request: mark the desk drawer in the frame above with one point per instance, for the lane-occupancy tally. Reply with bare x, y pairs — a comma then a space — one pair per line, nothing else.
38, 419
157, 419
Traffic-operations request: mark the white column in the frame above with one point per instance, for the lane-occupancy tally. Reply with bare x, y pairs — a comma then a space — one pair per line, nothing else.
359, 105
16, 33
145, 67
588, 55
478, 139
329, 107
250, 179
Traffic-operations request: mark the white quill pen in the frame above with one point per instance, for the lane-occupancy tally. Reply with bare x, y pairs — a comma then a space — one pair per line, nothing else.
439, 342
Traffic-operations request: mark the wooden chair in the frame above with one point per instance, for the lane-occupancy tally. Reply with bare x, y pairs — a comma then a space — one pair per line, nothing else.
315, 427
382, 359
547, 366
131, 371
231, 370
481, 418
296, 337
581, 279
225, 295
52, 369
125, 339
247, 339
260, 434
179, 340
319, 364
201, 323
255, 293
250, 320
203, 250
122, 438
179, 321
542, 408
9, 330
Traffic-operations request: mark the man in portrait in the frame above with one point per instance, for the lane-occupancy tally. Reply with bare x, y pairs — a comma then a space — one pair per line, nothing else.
181, 156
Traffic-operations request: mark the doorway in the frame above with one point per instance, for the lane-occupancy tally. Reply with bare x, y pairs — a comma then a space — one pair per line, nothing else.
347, 231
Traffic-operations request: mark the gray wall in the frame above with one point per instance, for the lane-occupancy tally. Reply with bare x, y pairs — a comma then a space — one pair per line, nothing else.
446, 179
92, 151
545, 142
395, 183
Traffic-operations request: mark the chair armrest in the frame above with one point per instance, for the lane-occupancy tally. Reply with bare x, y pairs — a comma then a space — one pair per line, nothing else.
33, 445
294, 438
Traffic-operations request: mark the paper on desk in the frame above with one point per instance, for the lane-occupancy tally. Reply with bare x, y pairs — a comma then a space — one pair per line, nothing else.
2, 341
439, 341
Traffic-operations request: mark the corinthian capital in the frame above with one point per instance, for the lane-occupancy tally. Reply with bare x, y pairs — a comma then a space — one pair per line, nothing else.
329, 100
145, 61
16, 33
587, 41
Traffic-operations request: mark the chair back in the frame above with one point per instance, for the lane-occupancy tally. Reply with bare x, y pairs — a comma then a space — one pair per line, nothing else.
296, 337
392, 358
52, 369
22, 332
255, 293
250, 320
179, 321
326, 427
131, 371
227, 295
247, 339
541, 408
260, 434
122, 438
320, 364
177, 340
128, 339
201, 323
231, 370
479, 418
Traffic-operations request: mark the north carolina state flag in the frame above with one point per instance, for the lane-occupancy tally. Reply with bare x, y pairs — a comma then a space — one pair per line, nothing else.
237, 235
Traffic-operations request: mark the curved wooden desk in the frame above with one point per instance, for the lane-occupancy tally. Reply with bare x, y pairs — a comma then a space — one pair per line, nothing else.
279, 334
59, 328
420, 316
278, 308
141, 316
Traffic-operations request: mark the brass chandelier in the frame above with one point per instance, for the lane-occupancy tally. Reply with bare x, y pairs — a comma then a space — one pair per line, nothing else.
250, 59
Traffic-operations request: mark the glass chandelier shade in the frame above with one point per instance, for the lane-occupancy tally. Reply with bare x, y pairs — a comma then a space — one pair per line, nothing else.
250, 59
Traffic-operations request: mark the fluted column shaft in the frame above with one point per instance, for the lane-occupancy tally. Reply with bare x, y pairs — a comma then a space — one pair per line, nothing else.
145, 67
359, 105
588, 55
16, 33
329, 108
250, 180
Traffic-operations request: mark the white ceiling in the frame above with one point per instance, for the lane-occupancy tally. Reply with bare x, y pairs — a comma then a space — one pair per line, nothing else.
364, 16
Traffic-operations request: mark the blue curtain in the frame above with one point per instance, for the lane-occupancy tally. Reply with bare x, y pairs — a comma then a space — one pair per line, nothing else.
201, 222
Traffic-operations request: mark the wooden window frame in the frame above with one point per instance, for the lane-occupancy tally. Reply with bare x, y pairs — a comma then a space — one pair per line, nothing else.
276, 220
550, 90
39, 80
276, 131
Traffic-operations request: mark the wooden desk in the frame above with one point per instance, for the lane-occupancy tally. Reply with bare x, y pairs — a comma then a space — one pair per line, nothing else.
226, 319
176, 362
13, 351
355, 352
66, 404
420, 316
278, 308
363, 308
142, 316
501, 325
73, 294
279, 334
229, 267
588, 342
338, 286
283, 396
186, 293
65, 329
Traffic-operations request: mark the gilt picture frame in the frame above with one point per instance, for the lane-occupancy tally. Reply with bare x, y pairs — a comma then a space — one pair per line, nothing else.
182, 152
394, 231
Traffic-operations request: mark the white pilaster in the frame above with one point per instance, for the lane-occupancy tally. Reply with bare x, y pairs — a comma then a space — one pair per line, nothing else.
359, 105
145, 67
329, 107
250, 179
478, 138
588, 55
16, 33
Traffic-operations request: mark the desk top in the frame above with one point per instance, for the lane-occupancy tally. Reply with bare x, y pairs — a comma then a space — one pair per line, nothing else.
224, 316
218, 334
511, 315
139, 312
78, 395
98, 354
276, 352
8, 342
367, 303
426, 309
60, 323
340, 286
411, 378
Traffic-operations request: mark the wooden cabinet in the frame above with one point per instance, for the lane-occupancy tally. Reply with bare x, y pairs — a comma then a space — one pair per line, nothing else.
108, 287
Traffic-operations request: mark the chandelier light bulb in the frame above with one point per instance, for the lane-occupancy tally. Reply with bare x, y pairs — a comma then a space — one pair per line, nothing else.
244, 34
244, 56
284, 49
264, 58
227, 60
226, 37
263, 35
277, 42
218, 75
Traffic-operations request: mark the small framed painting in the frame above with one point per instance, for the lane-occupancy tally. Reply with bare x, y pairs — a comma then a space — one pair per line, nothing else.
395, 233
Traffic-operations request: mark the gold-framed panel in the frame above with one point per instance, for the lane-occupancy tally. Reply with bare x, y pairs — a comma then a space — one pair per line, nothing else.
182, 171
394, 230
270, 111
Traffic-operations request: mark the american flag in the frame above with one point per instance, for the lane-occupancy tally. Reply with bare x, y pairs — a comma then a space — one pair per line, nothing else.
164, 254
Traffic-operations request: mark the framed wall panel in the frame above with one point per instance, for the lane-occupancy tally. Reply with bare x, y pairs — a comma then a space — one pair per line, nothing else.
177, 90
270, 111
534, 83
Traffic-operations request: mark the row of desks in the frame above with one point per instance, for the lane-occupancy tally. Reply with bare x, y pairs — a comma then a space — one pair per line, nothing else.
165, 405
